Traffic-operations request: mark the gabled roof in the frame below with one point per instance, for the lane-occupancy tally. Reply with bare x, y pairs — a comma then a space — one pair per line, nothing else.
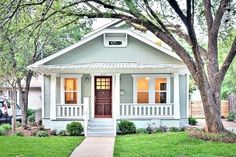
99, 32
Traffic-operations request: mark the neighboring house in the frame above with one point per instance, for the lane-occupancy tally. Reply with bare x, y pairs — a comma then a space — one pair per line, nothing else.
35, 93
112, 74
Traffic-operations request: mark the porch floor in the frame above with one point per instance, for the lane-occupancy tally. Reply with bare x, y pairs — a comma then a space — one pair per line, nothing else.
95, 147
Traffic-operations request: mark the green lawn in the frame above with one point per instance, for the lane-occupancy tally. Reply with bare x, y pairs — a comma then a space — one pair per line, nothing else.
11, 146
170, 145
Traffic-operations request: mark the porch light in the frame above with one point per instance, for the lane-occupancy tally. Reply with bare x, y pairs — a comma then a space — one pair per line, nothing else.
147, 78
86, 79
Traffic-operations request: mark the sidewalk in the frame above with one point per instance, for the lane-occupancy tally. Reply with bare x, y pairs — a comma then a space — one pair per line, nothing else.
95, 147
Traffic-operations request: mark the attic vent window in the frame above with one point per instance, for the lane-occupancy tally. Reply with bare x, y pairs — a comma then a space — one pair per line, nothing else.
115, 40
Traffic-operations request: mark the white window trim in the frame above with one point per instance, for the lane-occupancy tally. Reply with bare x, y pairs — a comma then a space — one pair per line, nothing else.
152, 90
78, 77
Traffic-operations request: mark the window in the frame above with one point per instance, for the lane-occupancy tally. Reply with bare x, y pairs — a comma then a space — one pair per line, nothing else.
103, 83
160, 90
71, 90
143, 90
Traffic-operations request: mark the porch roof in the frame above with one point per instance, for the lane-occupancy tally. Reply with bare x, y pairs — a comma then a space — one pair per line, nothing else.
105, 66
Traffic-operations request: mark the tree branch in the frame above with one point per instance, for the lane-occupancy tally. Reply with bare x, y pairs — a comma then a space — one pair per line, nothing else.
228, 60
208, 14
219, 15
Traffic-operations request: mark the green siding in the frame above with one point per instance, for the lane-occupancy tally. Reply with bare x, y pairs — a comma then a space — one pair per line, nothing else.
47, 96
126, 85
85, 87
183, 95
94, 51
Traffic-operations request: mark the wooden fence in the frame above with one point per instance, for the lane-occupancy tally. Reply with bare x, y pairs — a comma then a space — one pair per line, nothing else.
232, 103
196, 109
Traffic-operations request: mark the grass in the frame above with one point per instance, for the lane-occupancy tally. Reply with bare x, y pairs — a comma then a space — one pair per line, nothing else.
12, 146
170, 145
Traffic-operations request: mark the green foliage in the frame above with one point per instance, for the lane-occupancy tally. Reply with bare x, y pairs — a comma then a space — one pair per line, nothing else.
231, 117
18, 133
141, 131
30, 112
126, 127
4, 129
192, 121
74, 128
31, 118
175, 129
42, 134
63, 133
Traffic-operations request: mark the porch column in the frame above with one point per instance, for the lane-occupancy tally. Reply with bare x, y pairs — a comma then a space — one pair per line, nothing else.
53, 97
176, 96
117, 96
92, 96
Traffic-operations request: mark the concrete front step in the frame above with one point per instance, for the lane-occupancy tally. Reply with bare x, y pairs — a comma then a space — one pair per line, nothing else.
100, 127
100, 134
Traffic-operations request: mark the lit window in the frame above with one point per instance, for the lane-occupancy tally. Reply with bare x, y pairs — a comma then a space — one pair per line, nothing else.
71, 90
143, 90
160, 90
103, 83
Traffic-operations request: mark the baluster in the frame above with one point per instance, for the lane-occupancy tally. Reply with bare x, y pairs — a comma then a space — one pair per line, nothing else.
80, 113
123, 110
131, 110
58, 110
149, 110
76, 111
62, 111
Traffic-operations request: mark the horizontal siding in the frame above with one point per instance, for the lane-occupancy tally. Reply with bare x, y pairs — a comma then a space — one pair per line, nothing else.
85, 87
47, 96
126, 85
94, 51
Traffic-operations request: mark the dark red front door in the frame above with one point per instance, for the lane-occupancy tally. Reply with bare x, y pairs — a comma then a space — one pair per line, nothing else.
103, 96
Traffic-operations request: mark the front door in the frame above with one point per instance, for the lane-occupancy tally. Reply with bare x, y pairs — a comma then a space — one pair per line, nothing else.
103, 96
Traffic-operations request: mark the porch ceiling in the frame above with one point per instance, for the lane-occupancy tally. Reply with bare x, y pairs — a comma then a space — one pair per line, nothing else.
107, 66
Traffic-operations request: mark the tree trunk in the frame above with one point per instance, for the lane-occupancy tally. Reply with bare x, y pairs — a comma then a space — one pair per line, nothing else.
13, 104
24, 97
212, 110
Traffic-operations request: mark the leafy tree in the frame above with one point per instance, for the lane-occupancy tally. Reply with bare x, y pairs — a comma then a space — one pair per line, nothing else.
27, 44
167, 19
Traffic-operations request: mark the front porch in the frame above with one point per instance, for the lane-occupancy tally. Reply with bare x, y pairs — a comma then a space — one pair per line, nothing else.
124, 101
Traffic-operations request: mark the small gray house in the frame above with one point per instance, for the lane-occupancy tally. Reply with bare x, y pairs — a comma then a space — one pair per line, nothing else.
113, 73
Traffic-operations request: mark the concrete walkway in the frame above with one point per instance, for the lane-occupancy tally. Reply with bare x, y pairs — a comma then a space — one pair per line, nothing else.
95, 147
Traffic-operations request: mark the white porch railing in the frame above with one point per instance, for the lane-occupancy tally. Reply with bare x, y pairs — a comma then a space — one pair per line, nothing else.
70, 111
146, 110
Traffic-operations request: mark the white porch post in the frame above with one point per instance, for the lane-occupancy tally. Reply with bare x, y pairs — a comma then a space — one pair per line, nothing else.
117, 96
53, 97
176, 96
92, 96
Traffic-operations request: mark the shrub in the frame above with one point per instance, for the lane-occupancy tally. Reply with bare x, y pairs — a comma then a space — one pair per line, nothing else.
31, 118
126, 127
63, 133
30, 112
231, 117
18, 133
141, 131
74, 128
4, 129
151, 129
192, 121
42, 134
161, 129
53, 132
175, 129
